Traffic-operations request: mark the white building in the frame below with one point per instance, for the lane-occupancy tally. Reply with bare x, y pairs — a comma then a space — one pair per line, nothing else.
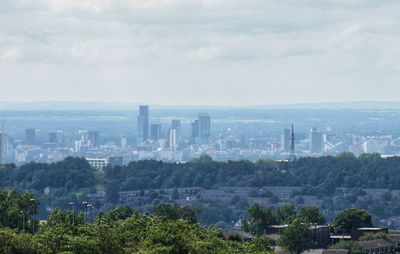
98, 162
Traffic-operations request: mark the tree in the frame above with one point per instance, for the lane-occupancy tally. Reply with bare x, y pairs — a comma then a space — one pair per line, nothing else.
17, 209
112, 192
174, 212
120, 213
59, 217
350, 219
312, 215
296, 237
285, 215
258, 219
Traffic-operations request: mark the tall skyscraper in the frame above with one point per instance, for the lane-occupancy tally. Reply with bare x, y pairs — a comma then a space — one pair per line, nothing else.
94, 139
53, 137
30, 136
155, 131
60, 137
204, 128
176, 124
172, 138
1, 147
195, 131
285, 141
143, 123
316, 141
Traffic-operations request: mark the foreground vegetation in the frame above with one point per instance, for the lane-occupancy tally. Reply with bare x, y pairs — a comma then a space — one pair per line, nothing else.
123, 231
172, 229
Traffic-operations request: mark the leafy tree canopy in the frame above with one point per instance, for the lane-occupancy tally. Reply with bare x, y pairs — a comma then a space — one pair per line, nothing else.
350, 219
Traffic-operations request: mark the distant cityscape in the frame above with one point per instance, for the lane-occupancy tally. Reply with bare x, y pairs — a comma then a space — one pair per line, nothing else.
182, 139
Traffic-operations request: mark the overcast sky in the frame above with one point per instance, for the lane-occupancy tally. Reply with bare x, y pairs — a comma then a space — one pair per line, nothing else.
200, 52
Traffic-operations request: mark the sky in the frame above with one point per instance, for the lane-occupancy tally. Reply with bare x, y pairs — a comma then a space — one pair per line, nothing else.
200, 52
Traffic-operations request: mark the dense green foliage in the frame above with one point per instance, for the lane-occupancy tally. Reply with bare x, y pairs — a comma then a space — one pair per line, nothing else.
71, 173
324, 174
138, 233
174, 212
312, 215
258, 218
296, 237
17, 210
351, 219
70, 180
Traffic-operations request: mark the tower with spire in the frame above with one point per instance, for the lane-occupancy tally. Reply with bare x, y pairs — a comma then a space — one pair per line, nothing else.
292, 156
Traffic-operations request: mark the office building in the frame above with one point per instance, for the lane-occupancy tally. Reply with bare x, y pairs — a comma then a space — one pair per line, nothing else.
1, 147
98, 162
53, 137
93, 139
155, 132
30, 136
285, 141
124, 143
60, 137
172, 139
316, 141
143, 124
204, 128
195, 131
176, 124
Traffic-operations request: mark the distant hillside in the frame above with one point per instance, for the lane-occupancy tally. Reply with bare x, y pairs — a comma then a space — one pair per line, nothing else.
101, 105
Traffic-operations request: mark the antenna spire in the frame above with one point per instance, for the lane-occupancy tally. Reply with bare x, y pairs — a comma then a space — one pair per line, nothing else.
292, 156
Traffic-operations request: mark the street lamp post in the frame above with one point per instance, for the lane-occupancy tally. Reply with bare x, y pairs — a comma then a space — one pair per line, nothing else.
85, 203
91, 212
73, 213
33, 214
23, 220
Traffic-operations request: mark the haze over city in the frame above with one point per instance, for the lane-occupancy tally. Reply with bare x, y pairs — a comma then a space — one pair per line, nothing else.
200, 126
210, 52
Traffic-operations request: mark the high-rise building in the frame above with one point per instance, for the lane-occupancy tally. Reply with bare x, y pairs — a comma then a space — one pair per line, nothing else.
172, 138
143, 123
285, 141
124, 142
94, 139
316, 142
155, 132
60, 137
30, 136
176, 124
195, 131
53, 137
1, 147
204, 128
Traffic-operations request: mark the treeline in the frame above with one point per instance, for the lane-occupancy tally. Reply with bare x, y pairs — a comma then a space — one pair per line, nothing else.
171, 230
70, 180
317, 175
71, 173
322, 174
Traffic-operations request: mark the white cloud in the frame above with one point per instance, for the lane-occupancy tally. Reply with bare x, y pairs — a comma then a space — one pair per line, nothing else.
199, 51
